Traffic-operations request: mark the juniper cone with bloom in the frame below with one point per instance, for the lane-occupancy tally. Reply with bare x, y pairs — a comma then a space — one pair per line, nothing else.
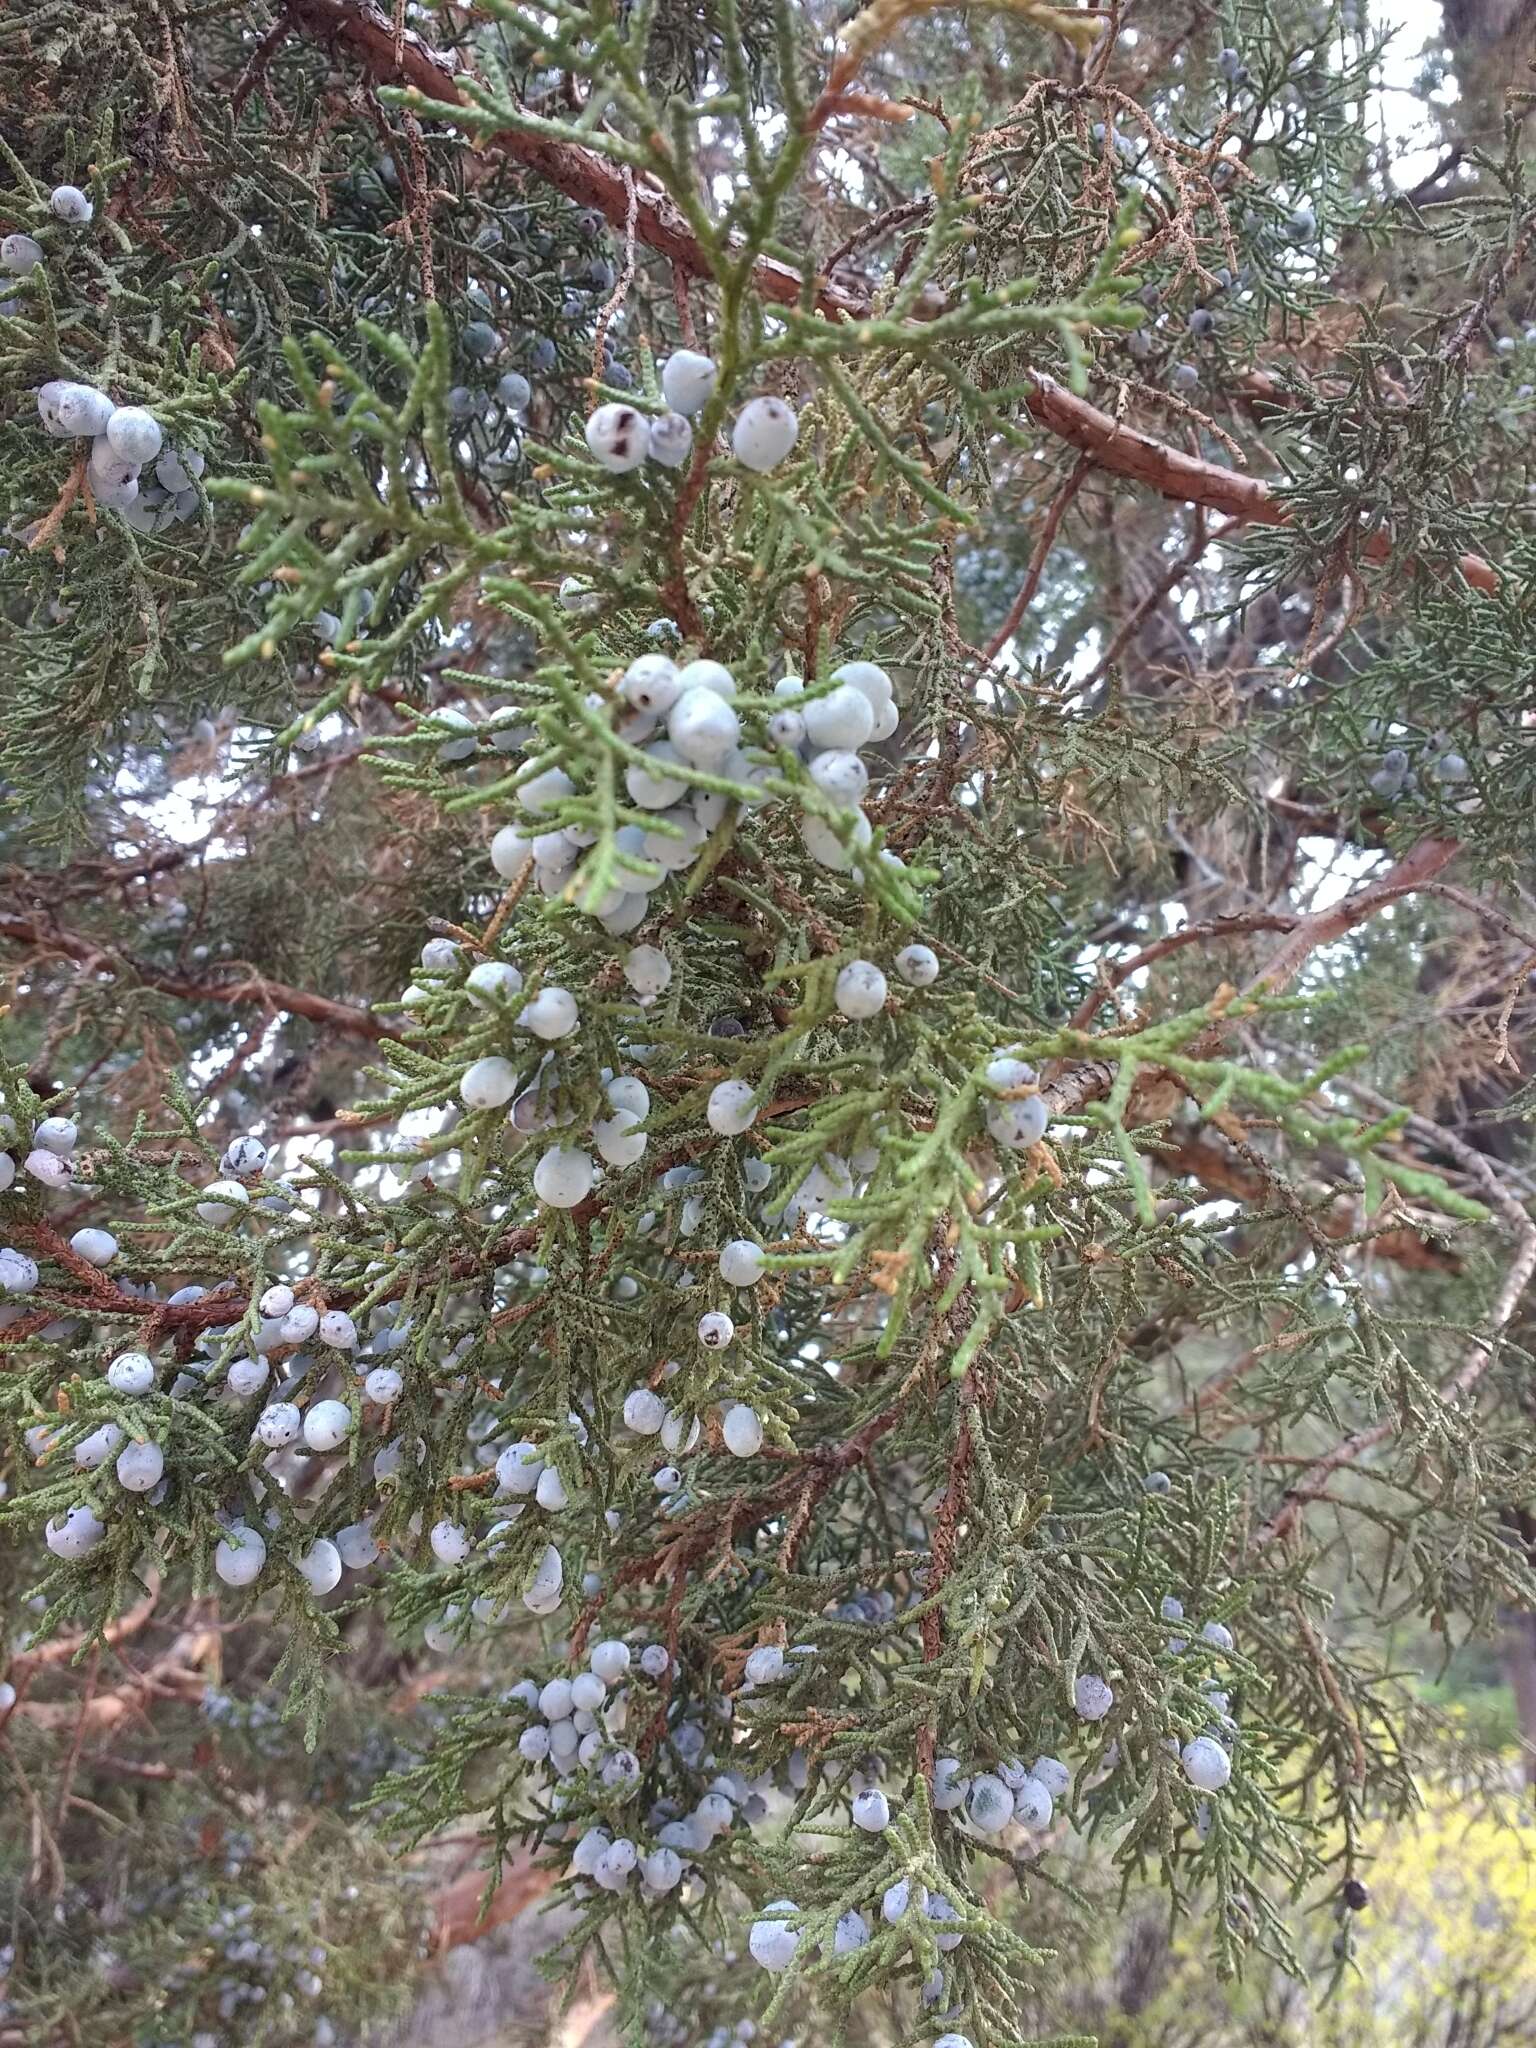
763, 1106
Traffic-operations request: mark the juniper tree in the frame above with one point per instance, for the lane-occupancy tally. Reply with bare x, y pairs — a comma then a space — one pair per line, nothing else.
859, 692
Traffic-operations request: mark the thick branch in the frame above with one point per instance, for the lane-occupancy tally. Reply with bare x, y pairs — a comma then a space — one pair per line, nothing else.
179, 1673
399, 57
403, 58
46, 939
1088, 1080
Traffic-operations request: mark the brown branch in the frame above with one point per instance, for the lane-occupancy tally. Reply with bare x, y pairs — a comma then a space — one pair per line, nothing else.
1088, 1080
367, 34
1173, 474
362, 29
1420, 864
62, 1648
49, 940
177, 1674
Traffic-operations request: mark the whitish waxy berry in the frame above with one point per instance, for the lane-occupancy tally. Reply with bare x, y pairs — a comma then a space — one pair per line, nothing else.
1018, 1125
510, 852
276, 1301
940, 1909
989, 1804
1092, 1697
82, 409
279, 1424
59, 1134
703, 728
20, 255
949, 1786
320, 1566
131, 1372
918, 966
850, 1933
492, 983
772, 1942
872, 1811
666, 1479
564, 1176
338, 1330
383, 1385
1053, 1775
671, 440
222, 1199
1156, 1482
238, 1559
716, 1330
133, 434
899, 1896
301, 1322
1032, 1804
704, 674
96, 1247
860, 989
953, 2041
1206, 1764
18, 1273
661, 1869
48, 1168
651, 684
247, 1376
588, 1692
766, 430
541, 1593
244, 1155
488, 1083
732, 1108
552, 1013
450, 1543
327, 1425
101, 1444
764, 1665
841, 776
68, 202
617, 1139
618, 437
609, 1660
742, 1430
742, 1263
550, 1492
1218, 1635
518, 1468
357, 1546
843, 718
644, 1412
74, 1534
648, 971
688, 380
